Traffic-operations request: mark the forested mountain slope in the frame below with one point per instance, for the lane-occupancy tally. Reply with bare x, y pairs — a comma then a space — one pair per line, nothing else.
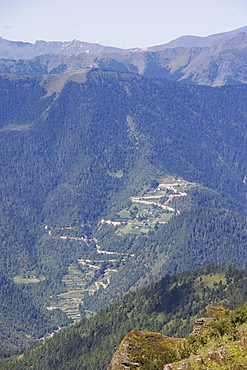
96, 145
169, 306
60, 154
22, 320
190, 240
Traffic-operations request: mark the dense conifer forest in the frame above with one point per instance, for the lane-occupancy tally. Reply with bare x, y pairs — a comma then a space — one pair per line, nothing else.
169, 306
110, 181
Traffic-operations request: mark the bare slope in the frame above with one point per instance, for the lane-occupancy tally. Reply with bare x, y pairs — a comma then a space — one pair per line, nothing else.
217, 60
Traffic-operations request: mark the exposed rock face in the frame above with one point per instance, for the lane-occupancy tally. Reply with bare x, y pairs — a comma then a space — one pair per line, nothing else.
142, 349
222, 345
201, 324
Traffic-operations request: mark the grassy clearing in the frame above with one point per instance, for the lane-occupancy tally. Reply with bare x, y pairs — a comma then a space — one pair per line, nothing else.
117, 174
212, 279
28, 280
154, 206
125, 214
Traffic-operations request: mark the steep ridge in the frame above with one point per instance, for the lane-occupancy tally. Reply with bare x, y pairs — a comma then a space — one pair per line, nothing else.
169, 307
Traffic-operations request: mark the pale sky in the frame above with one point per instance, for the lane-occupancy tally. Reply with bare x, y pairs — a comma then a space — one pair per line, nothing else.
121, 23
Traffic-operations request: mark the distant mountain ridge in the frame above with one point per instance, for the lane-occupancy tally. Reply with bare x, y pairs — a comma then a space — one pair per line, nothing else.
197, 41
214, 61
25, 50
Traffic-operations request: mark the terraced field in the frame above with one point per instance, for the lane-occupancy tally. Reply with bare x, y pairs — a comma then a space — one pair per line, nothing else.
94, 270
154, 206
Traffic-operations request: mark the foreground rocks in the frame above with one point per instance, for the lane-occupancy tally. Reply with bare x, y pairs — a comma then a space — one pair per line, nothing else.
145, 350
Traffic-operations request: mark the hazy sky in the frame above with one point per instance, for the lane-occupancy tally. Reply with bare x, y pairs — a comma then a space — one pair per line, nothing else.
122, 23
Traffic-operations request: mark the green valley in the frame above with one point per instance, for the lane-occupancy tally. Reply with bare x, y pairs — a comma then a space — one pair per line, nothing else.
111, 181
96, 267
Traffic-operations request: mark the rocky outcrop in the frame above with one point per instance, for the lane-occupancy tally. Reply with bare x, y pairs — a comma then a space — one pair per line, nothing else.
201, 324
143, 349
147, 350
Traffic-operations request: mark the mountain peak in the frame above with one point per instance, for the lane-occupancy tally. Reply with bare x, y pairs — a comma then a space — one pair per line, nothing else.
25, 50
198, 41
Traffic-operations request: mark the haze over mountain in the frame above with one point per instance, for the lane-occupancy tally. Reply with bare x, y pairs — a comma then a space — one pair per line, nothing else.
215, 60
25, 50
196, 41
